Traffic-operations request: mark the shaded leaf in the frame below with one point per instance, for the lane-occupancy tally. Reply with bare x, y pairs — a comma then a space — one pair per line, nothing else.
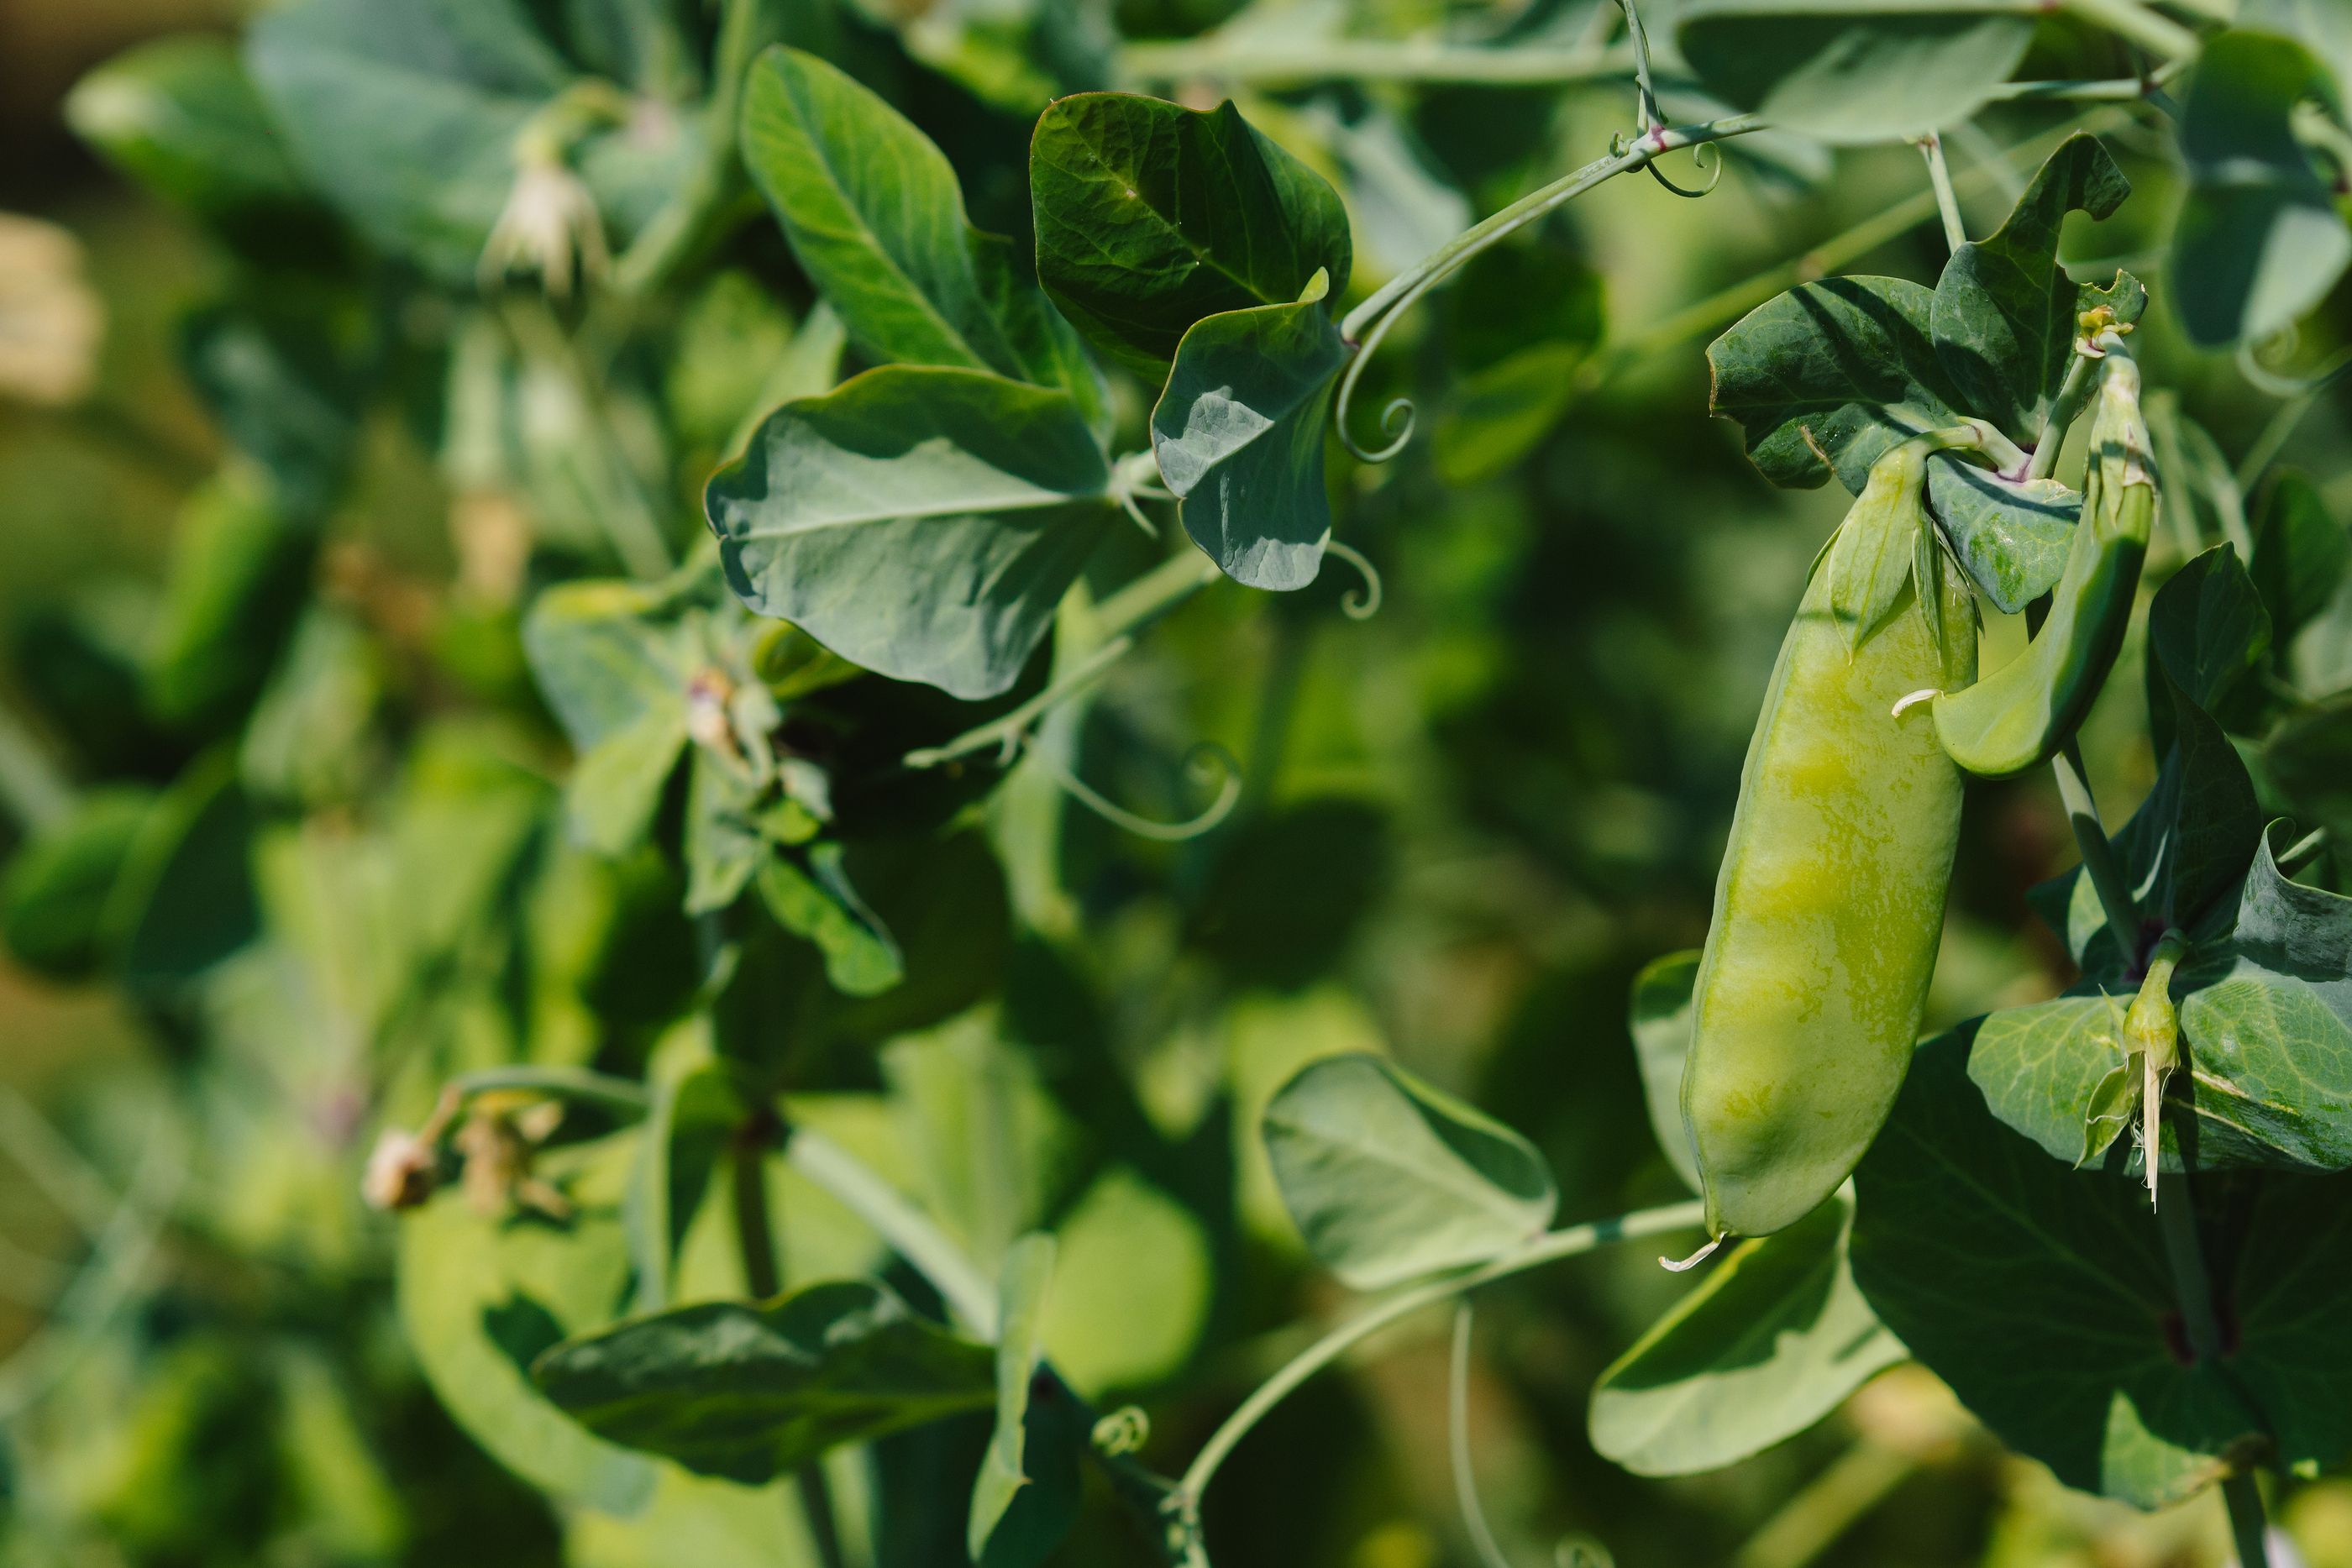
1772, 1340
819, 904
2004, 314
2301, 553
53, 898
1151, 216
1852, 71
1659, 1015
1238, 434
2061, 1334
2013, 534
2259, 240
921, 521
1827, 376
1390, 1180
752, 1392
1026, 1498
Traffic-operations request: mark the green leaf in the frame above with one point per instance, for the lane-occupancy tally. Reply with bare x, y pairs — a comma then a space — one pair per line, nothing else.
2044, 1070
2005, 314
1524, 318
53, 899
1238, 434
1853, 71
618, 787
1827, 376
921, 521
875, 217
2322, 25
1133, 1286
403, 113
1390, 1180
481, 1295
819, 904
2260, 239
2207, 630
1026, 1498
1151, 216
1659, 1016
752, 1392
1772, 1340
2300, 554
286, 371
240, 575
183, 899
606, 653
2013, 534
180, 116
2061, 1331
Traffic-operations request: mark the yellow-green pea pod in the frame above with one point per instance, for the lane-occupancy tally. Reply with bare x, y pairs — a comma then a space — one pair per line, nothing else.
1810, 991
2020, 715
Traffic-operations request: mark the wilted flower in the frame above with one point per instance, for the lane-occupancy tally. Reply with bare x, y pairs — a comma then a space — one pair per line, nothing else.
549, 226
50, 320
399, 1171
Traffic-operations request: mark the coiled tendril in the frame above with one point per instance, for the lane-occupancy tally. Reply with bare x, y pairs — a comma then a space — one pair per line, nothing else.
1360, 603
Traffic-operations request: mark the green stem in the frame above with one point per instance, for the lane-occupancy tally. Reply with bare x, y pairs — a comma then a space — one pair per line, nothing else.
665, 243
2158, 34
1939, 179
1458, 1434
908, 1230
623, 1095
1811, 1522
1120, 618
2176, 1221
1263, 64
2073, 396
1548, 1248
32, 788
2098, 855
2248, 1527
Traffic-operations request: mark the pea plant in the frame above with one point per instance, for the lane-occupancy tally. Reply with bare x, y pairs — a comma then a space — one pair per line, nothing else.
798, 523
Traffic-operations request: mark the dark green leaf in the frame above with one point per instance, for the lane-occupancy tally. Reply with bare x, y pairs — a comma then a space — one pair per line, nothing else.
819, 904
1151, 216
2013, 534
286, 370
921, 521
875, 215
752, 1392
1828, 376
2300, 552
240, 572
1659, 1015
2004, 314
1239, 437
1772, 1340
185, 899
1390, 1180
2260, 240
481, 1295
2061, 1332
54, 897
1026, 1498
1852, 71
2207, 630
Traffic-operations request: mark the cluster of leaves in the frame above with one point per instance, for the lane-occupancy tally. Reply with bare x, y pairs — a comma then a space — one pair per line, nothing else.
758, 919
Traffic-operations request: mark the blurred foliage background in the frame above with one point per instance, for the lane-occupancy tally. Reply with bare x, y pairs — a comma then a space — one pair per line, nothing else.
1466, 823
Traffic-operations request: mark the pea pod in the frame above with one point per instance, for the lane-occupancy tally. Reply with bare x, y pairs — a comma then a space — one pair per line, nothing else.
2020, 715
1811, 987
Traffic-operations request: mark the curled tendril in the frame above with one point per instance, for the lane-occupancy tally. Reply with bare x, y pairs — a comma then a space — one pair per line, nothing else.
2278, 385
1396, 420
1714, 173
1207, 754
1573, 1552
1360, 603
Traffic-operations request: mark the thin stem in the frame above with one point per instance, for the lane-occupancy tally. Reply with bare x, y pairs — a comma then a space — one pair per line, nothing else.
2176, 1221
1646, 95
1263, 63
2156, 33
1939, 179
1548, 1248
1457, 1438
2242, 1495
32, 788
2098, 855
2073, 396
1120, 617
623, 1095
1811, 1522
906, 1228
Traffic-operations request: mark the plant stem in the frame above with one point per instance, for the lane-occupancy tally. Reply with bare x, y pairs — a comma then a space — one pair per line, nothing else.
1120, 618
2073, 396
2098, 855
2242, 1495
906, 1228
1457, 1438
1811, 1522
620, 1095
1548, 1248
1261, 64
2156, 33
1939, 179
32, 788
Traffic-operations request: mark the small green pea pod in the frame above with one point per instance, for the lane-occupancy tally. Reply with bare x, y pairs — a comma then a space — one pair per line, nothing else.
2020, 715
1810, 991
